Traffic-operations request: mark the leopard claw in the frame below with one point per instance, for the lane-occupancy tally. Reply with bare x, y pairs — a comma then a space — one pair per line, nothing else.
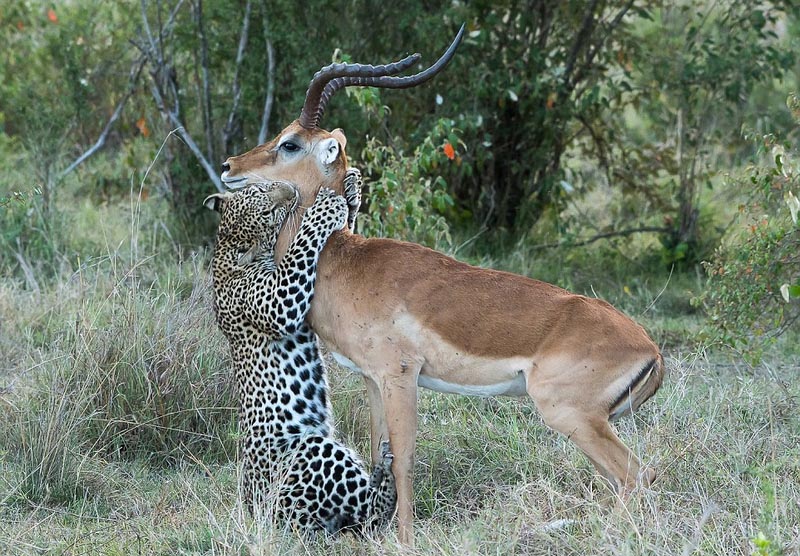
386, 455
326, 192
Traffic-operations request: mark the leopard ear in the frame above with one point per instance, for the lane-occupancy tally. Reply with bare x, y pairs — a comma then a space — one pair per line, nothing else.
215, 201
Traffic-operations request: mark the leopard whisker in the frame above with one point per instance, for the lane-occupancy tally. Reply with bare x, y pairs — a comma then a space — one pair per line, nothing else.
293, 220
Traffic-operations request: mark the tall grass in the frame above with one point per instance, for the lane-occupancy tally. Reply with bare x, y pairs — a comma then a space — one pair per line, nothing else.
109, 348
134, 372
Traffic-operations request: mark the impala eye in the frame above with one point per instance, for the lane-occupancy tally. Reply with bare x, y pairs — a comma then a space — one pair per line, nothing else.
290, 147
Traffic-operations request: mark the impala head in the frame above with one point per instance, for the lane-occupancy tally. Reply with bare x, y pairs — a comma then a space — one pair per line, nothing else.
297, 155
311, 157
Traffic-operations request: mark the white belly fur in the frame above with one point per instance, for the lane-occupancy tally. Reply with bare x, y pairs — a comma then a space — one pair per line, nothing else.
346, 363
514, 387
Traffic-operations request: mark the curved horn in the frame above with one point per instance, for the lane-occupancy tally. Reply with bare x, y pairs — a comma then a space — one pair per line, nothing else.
337, 76
315, 105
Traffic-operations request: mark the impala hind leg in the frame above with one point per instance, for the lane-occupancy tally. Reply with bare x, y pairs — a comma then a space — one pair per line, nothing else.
590, 430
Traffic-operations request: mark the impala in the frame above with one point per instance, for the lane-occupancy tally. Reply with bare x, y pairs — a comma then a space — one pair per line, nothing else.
406, 316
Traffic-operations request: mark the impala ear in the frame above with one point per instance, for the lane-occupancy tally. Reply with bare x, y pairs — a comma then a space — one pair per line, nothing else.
329, 150
215, 201
338, 134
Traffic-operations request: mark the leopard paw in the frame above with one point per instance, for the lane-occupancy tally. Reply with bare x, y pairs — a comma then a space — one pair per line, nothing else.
352, 192
387, 457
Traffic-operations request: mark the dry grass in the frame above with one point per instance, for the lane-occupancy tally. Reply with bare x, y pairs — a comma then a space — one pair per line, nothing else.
490, 478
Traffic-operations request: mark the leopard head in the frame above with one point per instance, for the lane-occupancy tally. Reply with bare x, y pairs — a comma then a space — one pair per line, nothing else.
250, 218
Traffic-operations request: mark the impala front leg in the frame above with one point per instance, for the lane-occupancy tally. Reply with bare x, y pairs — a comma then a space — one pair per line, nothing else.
401, 408
378, 431
398, 396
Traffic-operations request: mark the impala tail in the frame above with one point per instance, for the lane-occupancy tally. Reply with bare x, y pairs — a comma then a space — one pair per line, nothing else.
643, 385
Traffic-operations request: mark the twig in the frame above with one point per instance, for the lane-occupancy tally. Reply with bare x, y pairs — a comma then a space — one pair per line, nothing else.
133, 78
469, 240
652, 303
604, 235
262, 134
26, 269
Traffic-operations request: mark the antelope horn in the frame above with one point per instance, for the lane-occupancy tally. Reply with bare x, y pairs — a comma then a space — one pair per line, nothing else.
334, 77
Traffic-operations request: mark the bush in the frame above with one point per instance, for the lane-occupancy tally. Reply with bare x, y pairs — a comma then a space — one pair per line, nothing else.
407, 199
753, 293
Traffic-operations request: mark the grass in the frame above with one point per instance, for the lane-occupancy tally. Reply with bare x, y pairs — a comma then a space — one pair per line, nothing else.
490, 478
117, 431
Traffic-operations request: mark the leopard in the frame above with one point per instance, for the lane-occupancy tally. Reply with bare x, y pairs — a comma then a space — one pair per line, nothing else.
293, 468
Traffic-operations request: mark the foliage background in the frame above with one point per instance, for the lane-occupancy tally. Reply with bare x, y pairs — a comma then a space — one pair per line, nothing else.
640, 151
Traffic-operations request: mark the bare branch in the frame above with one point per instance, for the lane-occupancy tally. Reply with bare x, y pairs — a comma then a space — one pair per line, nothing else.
146, 26
156, 49
604, 235
262, 133
136, 70
174, 118
165, 88
231, 125
170, 26
212, 173
208, 122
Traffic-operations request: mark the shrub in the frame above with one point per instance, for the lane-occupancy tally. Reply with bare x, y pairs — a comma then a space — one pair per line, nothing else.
408, 199
753, 292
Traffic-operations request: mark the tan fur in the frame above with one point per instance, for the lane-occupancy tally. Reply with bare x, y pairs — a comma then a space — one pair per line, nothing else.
405, 314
